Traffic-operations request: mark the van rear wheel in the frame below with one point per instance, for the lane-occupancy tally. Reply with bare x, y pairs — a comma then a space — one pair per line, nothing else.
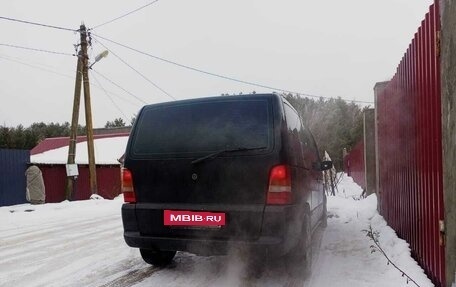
324, 217
299, 259
155, 257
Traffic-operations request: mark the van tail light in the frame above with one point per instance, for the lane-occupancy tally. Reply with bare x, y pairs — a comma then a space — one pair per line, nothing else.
279, 191
127, 186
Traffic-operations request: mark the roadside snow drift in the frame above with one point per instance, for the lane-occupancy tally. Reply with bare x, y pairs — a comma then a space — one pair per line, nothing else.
345, 257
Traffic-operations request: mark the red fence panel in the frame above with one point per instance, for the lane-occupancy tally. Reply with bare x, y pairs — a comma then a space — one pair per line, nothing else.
354, 164
410, 149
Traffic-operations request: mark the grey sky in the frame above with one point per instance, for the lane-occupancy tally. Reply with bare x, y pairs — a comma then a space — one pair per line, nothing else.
325, 48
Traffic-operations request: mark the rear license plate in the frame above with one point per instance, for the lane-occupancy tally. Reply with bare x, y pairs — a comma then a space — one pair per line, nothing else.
193, 218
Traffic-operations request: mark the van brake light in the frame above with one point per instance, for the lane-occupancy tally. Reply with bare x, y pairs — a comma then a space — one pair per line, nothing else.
279, 191
127, 186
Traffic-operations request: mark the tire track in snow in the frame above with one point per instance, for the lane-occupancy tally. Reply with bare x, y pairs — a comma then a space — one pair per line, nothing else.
56, 249
50, 227
132, 277
91, 252
43, 238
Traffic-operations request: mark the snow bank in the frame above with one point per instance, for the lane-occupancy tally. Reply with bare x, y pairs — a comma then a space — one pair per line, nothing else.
107, 151
346, 257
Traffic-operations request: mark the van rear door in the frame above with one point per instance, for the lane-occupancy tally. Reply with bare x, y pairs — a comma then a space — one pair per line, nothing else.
211, 155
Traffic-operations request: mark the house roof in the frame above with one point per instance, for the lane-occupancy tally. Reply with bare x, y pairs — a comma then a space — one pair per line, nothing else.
108, 150
58, 142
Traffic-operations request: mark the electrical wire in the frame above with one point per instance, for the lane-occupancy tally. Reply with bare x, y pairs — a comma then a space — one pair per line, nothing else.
29, 61
45, 68
38, 24
109, 97
35, 66
128, 100
138, 72
115, 84
219, 75
37, 50
124, 15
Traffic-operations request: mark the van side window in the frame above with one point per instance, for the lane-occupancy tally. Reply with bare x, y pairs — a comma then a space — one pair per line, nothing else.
300, 141
294, 140
310, 151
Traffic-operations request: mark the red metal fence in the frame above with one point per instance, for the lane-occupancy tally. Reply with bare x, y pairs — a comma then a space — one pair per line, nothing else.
410, 149
354, 164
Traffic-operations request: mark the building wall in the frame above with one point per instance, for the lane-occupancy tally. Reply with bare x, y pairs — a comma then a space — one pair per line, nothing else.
448, 65
108, 179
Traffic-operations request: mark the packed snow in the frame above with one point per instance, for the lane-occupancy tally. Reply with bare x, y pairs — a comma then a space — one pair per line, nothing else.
80, 243
107, 151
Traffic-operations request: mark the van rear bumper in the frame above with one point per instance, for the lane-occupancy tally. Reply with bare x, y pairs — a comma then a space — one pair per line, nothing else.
280, 232
201, 246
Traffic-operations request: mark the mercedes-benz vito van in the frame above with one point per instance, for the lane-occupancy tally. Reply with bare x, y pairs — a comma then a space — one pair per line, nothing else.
206, 175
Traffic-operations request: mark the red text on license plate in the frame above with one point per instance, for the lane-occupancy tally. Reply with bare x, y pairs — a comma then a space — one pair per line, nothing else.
193, 218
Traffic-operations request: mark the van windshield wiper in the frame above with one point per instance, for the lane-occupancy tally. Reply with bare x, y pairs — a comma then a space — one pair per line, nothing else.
217, 153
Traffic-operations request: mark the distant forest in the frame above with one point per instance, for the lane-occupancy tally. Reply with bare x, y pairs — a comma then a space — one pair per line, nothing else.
334, 123
27, 138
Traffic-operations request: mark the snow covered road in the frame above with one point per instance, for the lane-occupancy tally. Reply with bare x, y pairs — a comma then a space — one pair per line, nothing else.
81, 244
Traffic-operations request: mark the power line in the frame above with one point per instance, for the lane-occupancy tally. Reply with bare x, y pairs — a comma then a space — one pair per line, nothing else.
138, 72
219, 75
40, 66
109, 97
29, 61
128, 100
124, 15
115, 84
38, 24
35, 67
37, 50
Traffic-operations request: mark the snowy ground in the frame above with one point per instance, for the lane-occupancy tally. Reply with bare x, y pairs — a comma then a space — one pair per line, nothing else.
80, 244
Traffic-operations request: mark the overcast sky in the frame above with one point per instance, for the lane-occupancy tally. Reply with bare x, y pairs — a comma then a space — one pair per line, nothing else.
327, 48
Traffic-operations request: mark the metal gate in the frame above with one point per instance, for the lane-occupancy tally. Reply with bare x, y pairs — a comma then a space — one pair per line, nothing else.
13, 164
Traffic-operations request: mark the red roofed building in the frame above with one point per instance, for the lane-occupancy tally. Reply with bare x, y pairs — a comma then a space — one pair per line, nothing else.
50, 155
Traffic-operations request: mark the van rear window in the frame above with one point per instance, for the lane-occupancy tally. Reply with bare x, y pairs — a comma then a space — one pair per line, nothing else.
188, 128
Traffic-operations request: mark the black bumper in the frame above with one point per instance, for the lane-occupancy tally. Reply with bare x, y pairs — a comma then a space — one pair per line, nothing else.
280, 232
203, 246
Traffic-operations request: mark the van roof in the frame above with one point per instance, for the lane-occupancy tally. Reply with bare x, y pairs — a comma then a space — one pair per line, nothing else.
221, 98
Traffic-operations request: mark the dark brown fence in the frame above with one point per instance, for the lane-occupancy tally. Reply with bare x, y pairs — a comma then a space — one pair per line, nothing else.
354, 164
410, 149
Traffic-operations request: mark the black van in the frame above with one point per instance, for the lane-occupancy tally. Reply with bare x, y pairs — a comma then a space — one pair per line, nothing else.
206, 175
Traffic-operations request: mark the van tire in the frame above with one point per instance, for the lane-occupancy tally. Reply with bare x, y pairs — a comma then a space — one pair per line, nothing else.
158, 258
324, 216
299, 260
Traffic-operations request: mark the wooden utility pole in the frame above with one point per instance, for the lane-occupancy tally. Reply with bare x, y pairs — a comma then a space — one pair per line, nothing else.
88, 111
82, 71
74, 126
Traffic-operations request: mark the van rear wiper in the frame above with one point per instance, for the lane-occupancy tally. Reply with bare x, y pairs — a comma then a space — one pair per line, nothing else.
217, 153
